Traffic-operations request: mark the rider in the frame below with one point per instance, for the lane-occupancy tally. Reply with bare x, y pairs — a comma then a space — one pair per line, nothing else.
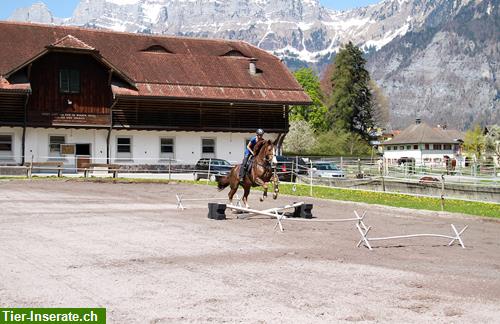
249, 150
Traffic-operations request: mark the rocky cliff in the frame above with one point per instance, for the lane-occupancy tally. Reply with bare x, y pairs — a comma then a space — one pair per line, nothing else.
434, 59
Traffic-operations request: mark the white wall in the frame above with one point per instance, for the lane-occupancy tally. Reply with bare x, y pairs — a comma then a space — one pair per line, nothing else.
420, 156
145, 144
16, 155
37, 142
187, 147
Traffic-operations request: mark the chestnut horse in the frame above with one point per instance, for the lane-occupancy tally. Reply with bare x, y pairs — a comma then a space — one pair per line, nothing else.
260, 174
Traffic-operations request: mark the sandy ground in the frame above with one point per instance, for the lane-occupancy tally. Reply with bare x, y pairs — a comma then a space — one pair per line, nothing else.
127, 248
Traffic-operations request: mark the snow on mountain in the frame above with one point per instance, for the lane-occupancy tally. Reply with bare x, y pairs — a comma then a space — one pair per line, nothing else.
402, 39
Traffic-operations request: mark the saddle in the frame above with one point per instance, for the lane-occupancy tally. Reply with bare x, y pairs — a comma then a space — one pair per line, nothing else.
248, 166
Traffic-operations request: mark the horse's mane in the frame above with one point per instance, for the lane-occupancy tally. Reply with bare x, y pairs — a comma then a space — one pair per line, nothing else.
259, 145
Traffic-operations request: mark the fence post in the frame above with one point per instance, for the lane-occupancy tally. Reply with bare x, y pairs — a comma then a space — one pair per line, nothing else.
381, 169
341, 163
311, 177
442, 192
209, 166
169, 169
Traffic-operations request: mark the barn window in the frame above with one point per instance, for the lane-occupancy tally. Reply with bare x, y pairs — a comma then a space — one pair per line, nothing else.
415, 147
208, 147
437, 147
167, 147
5, 146
427, 146
55, 142
124, 147
388, 148
69, 81
447, 147
5, 143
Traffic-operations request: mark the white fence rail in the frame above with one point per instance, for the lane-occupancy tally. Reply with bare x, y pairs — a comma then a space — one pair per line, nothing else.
357, 174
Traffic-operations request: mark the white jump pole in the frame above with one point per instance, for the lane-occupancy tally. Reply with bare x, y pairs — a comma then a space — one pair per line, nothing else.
271, 210
180, 199
358, 219
260, 212
363, 231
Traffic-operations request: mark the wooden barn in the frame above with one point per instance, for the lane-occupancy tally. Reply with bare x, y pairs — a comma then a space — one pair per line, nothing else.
105, 96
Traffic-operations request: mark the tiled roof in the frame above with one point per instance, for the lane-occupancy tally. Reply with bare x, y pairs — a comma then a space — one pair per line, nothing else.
6, 86
188, 68
71, 42
423, 133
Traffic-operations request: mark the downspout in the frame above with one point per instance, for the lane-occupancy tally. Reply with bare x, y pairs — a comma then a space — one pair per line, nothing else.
108, 149
25, 124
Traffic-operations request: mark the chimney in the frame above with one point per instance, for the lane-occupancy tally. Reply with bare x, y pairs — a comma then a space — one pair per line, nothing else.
418, 121
252, 67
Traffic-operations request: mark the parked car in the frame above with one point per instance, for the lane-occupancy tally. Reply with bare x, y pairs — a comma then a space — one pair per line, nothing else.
288, 168
326, 170
214, 167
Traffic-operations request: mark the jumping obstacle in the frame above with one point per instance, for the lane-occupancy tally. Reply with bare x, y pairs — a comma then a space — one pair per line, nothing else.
278, 214
272, 212
181, 206
364, 230
358, 219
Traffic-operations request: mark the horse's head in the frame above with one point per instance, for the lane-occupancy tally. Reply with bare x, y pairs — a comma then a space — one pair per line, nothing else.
266, 151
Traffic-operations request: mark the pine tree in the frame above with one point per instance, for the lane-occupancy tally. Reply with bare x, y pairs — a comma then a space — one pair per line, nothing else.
350, 106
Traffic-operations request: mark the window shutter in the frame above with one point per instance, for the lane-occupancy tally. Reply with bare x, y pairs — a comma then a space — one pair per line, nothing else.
75, 81
63, 80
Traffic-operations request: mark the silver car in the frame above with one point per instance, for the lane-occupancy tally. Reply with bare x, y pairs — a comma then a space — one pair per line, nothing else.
326, 170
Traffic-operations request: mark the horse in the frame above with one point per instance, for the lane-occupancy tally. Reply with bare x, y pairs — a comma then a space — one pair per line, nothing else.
260, 173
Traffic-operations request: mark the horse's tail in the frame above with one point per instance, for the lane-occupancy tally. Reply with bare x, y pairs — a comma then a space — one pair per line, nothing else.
222, 182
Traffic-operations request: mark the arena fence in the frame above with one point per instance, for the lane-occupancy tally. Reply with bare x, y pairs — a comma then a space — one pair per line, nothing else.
475, 183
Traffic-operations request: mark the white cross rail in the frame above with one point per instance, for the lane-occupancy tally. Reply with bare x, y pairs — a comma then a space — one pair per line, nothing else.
358, 219
363, 231
273, 212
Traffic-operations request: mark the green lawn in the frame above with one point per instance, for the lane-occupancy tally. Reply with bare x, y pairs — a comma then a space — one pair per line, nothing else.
396, 200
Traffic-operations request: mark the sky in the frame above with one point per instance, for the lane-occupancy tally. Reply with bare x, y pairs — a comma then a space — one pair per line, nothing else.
64, 8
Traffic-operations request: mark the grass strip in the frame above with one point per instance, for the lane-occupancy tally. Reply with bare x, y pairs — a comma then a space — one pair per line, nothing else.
396, 200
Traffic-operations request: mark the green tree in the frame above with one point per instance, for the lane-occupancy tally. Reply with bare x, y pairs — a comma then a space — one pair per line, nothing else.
474, 142
350, 106
314, 114
339, 142
300, 138
380, 105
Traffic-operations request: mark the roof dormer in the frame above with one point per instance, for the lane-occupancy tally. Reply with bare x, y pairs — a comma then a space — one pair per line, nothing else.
235, 53
157, 49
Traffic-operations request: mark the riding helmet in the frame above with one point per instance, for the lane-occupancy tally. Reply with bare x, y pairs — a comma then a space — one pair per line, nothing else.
260, 131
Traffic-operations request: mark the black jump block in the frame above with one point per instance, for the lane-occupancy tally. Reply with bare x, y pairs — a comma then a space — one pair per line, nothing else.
303, 211
216, 211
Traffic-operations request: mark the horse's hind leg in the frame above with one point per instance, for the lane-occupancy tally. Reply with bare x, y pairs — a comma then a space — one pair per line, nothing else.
245, 196
231, 193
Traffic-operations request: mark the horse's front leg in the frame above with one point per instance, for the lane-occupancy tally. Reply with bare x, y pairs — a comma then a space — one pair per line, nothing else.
276, 187
264, 185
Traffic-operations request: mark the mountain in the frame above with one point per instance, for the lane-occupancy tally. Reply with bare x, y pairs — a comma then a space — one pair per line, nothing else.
38, 12
434, 59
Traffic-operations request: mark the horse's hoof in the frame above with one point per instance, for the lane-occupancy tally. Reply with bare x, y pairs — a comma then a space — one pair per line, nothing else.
261, 199
275, 197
